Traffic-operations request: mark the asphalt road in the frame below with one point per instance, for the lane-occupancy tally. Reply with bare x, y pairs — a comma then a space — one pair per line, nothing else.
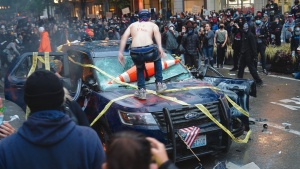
277, 102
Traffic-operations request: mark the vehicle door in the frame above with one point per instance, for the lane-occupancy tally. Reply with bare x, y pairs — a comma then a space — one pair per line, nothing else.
17, 74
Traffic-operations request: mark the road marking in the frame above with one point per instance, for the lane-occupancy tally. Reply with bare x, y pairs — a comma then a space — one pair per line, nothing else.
291, 107
292, 100
280, 127
277, 76
251, 165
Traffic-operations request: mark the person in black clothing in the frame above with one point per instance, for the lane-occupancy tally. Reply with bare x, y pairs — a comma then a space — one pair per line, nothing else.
272, 9
248, 55
236, 44
295, 40
295, 10
180, 22
73, 109
191, 43
276, 29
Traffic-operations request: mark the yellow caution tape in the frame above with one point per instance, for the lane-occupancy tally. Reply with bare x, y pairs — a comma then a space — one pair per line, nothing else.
35, 59
206, 112
199, 106
107, 107
237, 106
47, 61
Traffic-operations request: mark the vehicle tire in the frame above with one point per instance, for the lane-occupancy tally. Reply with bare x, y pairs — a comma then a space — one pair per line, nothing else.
226, 140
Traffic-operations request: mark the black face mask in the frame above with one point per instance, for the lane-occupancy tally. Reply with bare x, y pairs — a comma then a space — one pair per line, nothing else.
221, 27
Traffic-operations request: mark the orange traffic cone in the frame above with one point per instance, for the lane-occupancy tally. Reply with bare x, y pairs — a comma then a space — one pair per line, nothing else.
130, 74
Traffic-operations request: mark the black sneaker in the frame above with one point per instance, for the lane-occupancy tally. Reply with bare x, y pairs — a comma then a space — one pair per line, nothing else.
259, 84
265, 72
233, 69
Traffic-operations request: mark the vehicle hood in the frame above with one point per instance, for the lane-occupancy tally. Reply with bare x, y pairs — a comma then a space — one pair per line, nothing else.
156, 103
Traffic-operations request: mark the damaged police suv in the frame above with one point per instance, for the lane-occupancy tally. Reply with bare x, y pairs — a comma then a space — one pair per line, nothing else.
87, 71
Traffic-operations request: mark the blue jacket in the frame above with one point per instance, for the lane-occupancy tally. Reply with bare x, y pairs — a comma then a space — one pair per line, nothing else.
50, 139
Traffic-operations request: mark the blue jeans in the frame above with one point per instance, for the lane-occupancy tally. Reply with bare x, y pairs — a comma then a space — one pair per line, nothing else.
140, 56
208, 54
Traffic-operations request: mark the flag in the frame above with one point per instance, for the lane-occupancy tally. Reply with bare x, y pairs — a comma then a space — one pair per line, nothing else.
189, 135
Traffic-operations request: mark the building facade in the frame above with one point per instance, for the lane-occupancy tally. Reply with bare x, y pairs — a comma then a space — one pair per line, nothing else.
94, 8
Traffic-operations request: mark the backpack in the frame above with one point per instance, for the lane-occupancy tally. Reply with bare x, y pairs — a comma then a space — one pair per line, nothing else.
67, 110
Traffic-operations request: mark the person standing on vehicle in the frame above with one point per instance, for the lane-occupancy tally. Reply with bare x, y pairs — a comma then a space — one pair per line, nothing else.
49, 138
45, 41
208, 45
261, 38
220, 43
144, 50
249, 55
191, 44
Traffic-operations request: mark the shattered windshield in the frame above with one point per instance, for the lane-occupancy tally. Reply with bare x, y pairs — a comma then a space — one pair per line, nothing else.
112, 66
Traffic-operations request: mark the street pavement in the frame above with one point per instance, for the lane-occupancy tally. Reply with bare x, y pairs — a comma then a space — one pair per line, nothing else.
278, 105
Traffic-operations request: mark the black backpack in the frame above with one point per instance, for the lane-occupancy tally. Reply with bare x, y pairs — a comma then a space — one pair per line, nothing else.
67, 110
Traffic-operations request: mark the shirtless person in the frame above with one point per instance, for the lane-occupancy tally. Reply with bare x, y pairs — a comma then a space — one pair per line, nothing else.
144, 50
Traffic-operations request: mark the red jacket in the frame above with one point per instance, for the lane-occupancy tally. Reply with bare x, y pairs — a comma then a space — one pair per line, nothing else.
45, 43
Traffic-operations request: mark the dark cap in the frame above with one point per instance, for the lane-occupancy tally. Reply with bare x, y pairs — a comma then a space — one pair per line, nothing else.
144, 14
43, 91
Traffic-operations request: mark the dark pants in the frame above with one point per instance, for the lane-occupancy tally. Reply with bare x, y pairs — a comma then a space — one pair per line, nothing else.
261, 48
247, 60
191, 60
236, 53
220, 53
140, 56
277, 39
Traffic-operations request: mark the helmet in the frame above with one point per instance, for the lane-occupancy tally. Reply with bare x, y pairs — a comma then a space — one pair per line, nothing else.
143, 14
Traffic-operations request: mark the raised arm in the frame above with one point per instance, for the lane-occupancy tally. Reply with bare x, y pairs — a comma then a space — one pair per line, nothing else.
122, 45
157, 37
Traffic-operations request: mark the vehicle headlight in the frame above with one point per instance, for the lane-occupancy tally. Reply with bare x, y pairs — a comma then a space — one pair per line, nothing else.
137, 118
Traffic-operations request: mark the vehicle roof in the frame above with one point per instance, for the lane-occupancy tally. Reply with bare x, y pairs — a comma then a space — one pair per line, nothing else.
107, 47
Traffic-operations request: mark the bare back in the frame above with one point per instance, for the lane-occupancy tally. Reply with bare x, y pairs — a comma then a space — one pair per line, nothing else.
142, 33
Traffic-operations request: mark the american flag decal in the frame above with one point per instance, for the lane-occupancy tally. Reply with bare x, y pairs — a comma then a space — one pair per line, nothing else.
189, 135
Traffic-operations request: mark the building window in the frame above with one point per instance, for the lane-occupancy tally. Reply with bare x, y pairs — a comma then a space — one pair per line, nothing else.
189, 4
